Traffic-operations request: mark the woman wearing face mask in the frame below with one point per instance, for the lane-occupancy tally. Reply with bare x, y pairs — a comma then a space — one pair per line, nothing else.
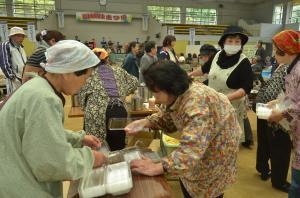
46, 39
231, 73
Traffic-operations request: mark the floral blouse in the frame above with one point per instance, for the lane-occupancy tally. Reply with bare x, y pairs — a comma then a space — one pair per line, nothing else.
206, 160
94, 99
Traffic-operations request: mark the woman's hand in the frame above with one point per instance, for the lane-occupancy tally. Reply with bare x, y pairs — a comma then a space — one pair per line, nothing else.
272, 103
145, 166
91, 141
275, 116
197, 72
100, 159
137, 126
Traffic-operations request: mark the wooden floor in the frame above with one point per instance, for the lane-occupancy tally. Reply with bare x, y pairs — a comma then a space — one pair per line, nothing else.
248, 183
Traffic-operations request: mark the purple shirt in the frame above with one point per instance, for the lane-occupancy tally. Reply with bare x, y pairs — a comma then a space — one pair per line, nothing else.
108, 81
292, 86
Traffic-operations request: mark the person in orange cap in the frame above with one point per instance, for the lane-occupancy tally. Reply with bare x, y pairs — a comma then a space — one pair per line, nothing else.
101, 53
287, 51
103, 98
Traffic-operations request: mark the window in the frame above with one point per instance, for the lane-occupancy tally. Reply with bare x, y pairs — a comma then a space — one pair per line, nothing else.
201, 16
3, 8
32, 8
277, 14
295, 17
165, 14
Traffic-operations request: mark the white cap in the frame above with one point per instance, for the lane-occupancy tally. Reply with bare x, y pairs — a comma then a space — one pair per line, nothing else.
16, 30
68, 56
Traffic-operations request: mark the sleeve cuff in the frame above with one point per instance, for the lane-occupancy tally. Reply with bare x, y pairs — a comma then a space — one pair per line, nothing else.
165, 165
81, 136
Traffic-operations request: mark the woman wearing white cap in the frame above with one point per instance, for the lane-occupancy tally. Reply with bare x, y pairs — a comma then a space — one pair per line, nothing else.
36, 152
13, 58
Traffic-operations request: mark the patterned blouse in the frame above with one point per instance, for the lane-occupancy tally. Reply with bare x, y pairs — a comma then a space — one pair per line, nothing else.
206, 159
292, 86
94, 99
271, 89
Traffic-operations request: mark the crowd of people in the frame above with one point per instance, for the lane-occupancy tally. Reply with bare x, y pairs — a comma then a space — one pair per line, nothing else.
211, 116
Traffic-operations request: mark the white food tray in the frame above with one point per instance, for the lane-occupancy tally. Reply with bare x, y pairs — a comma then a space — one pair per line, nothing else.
113, 179
262, 111
118, 180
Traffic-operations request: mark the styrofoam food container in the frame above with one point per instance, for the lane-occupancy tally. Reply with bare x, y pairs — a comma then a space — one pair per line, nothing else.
113, 179
93, 184
262, 111
118, 179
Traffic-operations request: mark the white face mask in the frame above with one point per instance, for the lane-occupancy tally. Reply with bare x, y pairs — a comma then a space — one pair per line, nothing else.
232, 49
201, 62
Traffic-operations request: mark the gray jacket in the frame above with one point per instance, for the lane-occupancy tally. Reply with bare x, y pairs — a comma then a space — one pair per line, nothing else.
146, 61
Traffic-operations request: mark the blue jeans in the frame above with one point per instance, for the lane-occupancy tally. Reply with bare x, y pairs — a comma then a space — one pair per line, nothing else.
295, 186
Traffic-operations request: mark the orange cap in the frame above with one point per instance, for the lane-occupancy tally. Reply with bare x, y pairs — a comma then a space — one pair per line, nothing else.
103, 54
288, 41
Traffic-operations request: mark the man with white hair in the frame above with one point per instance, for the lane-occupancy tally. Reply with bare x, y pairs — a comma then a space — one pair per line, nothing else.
13, 58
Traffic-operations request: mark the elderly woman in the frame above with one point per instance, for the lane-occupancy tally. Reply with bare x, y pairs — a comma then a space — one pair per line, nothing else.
103, 97
231, 74
287, 51
36, 152
206, 158
273, 141
46, 39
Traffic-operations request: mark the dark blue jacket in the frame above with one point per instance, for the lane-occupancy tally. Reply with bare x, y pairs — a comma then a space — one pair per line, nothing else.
131, 65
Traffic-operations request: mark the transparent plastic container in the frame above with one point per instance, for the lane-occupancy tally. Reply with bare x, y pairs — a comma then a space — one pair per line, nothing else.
115, 157
116, 124
132, 155
104, 148
120, 123
153, 156
263, 111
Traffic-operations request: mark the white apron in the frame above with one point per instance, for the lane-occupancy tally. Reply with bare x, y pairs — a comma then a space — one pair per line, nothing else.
217, 78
